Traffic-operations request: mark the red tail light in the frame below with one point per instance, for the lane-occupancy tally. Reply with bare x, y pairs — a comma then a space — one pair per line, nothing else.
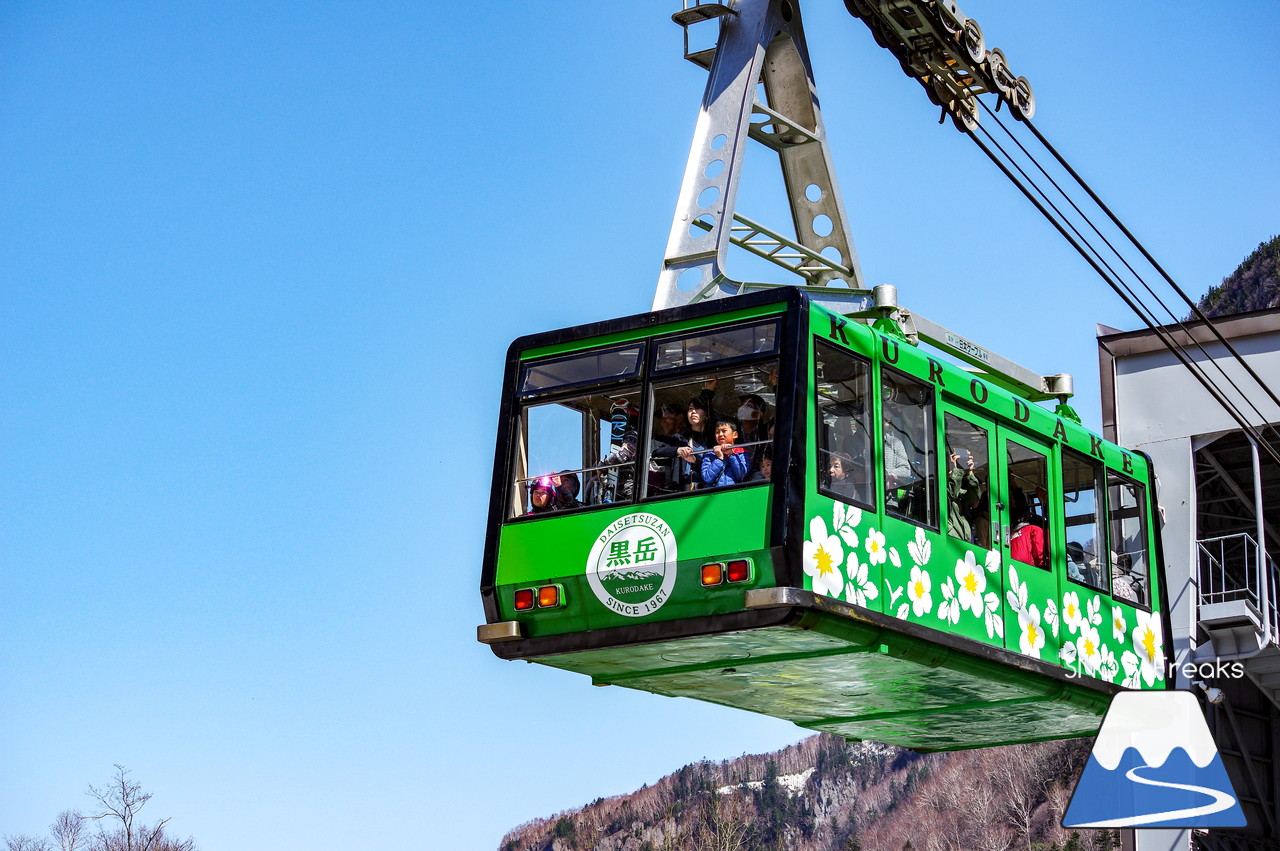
524, 599
739, 570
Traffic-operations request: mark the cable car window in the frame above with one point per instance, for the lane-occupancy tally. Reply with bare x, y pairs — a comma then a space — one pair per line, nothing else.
846, 460
590, 368
910, 454
718, 344
576, 452
730, 411
1028, 487
968, 482
1081, 499
1128, 539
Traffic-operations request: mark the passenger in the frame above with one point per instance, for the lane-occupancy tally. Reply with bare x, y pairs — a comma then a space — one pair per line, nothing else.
542, 496
616, 480
751, 413
567, 488
1126, 583
699, 438
1027, 544
664, 468
726, 463
898, 475
840, 476
963, 491
765, 471
1075, 562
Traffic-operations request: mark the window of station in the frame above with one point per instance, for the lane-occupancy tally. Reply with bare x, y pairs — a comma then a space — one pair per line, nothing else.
1128, 536
908, 445
1081, 500
712, 430
846, 459
968, 482
1028, 486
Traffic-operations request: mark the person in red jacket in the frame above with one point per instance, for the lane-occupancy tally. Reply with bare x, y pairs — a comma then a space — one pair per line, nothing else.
1028, 543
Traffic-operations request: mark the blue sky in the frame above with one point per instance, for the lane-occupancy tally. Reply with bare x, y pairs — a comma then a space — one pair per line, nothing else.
261, 264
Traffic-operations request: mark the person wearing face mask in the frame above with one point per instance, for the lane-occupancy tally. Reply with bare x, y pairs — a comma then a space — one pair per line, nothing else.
751, 416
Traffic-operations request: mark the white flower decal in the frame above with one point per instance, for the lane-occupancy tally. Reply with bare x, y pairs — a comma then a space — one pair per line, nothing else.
894, 558
1119, 628
1030, 634
822, 557
860, 589
1094, 611
920, 549
992, 562
1016, 596
875, 546
1107, 666
1088, 648
1051, 616
1072, 614
971, 582
1067, 653
949, 608
894, 594
846, 516
1149, 645
918, 592
1132, 669
995, 623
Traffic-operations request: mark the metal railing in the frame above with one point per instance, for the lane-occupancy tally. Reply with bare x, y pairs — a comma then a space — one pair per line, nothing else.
1231, 567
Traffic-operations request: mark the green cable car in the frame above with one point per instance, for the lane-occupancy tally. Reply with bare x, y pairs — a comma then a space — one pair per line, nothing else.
758, 502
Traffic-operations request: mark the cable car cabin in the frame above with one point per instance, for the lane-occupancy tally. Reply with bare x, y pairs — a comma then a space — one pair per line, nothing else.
759, 503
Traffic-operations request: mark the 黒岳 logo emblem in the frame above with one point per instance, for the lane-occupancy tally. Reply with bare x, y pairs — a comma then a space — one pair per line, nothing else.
632, 565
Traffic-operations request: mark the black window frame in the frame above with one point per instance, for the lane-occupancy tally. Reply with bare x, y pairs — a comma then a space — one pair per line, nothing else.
869, 407
931, 430
983, 422
1102, 530
645, 377
522, 396
1145, 516
1035, 444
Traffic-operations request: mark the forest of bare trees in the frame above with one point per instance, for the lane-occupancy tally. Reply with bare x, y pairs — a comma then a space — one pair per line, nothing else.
825, 795
113, 822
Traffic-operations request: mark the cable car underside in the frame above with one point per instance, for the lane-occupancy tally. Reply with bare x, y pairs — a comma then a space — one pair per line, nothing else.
833, 667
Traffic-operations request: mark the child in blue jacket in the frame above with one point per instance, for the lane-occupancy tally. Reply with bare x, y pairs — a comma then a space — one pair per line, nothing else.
725, 464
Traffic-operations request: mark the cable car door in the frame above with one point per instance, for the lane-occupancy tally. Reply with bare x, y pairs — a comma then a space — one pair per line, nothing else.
1025, 520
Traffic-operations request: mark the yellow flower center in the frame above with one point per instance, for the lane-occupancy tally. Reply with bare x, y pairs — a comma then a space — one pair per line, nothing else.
1119, 625
1149, 644
823, 558
919, 587
970, 583
875, 545
1032, 635
1088, 647
1071, 610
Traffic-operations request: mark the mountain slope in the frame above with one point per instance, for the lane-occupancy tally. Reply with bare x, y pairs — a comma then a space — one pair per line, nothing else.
822, 794
1255, 285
